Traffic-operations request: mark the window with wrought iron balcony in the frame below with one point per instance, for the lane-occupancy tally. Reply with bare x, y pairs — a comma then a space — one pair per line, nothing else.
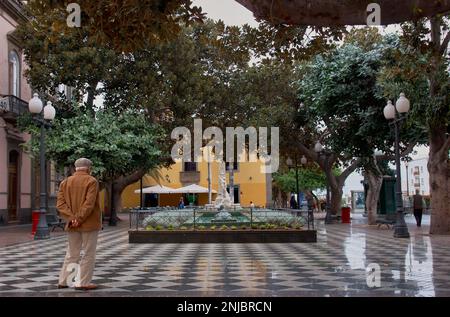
12, 106
190, 174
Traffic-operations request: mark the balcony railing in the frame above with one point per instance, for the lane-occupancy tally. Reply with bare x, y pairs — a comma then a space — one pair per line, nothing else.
13, 104
190, 177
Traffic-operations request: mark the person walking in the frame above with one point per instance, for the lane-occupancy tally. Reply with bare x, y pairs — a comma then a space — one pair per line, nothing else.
78, 204
418, 208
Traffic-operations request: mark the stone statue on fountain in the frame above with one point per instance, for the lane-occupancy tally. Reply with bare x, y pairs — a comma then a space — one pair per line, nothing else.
223, 199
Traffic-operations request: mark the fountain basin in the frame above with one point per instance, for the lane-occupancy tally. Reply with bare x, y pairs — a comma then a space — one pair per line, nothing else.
224, 236
219, 226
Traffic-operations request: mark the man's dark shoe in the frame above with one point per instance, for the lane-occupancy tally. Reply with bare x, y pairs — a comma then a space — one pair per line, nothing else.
62, 286
86, 288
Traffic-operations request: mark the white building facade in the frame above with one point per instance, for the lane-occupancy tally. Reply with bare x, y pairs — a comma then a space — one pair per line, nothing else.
415, 177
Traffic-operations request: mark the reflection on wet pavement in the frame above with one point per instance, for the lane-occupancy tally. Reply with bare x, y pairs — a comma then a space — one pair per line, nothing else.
334, 266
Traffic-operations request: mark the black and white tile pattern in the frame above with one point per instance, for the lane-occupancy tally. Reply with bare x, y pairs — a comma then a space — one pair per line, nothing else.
334, 266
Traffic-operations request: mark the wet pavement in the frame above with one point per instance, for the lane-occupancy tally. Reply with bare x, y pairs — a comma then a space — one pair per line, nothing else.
337, 265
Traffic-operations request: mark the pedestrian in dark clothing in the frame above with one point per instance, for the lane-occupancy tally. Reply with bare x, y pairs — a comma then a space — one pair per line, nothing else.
418, 208
293, 202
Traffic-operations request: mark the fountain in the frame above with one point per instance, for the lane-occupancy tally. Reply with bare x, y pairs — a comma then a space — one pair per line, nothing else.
223, 216
223, 202
243, 226
235, 226
223, 197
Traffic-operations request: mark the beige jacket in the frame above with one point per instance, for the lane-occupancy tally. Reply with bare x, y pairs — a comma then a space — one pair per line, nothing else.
78, 198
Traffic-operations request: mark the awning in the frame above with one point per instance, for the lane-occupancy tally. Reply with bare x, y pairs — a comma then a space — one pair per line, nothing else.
194, 189
157, 189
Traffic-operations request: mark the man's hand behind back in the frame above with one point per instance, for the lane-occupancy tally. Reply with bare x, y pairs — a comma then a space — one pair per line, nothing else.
74, 223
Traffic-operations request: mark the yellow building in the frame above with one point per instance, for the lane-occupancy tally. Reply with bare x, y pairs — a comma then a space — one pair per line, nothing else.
250, 185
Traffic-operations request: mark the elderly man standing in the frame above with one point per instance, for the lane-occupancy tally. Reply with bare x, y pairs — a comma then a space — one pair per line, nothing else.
78, 203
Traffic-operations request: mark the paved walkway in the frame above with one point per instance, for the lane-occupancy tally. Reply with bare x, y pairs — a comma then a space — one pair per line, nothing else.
334, 266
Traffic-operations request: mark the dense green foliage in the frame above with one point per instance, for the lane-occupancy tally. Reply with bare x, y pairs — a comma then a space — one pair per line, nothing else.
117, 144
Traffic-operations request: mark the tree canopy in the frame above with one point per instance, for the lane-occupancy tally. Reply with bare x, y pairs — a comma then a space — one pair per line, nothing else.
117, 144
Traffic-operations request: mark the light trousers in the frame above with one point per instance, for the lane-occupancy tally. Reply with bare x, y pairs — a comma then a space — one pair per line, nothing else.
83, 263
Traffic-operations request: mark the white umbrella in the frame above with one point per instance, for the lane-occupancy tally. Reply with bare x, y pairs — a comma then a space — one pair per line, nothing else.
157, 189
194, 189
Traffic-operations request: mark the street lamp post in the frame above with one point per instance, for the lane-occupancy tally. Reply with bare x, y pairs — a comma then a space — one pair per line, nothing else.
395, 115
319, 149
291, 165
35, 107
141, 198
208, 160
407, 179
231, 180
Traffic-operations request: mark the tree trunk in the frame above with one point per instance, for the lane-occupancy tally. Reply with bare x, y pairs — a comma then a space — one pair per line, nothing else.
438, 162
284, 200
439, 169
107, 198
91, 97
316, 199
117, 198
336, 185
336, 198
375, 181
120, 184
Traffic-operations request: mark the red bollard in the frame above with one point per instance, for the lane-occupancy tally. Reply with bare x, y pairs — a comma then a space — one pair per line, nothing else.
345, 214
35, 220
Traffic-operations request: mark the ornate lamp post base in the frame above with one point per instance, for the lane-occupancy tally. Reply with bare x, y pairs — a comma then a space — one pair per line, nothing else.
42, 233
400, 227
401, 232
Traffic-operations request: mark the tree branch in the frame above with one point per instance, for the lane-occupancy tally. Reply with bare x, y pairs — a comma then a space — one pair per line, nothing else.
405, 152
131, 178
308, 152
91, 95
350, 169
444, 44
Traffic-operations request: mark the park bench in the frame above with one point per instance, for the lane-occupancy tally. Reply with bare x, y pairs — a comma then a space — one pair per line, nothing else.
54, 222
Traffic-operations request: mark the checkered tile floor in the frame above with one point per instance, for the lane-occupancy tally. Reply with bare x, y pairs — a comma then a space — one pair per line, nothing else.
334, 266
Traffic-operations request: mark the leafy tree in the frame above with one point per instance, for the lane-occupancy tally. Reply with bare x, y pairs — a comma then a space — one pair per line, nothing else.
418, 66
119, 146
124, 25
154, 80
344, 110
311, 178
213, 79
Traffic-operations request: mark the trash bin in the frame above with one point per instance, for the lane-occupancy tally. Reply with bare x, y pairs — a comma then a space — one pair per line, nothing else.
34, 220
345, 214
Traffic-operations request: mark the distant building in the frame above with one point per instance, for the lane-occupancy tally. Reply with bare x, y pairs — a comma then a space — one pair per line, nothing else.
415, 176
250, 185
16, 172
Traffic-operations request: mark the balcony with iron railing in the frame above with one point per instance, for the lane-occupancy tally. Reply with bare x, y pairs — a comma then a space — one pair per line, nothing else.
12, 106
190, 177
